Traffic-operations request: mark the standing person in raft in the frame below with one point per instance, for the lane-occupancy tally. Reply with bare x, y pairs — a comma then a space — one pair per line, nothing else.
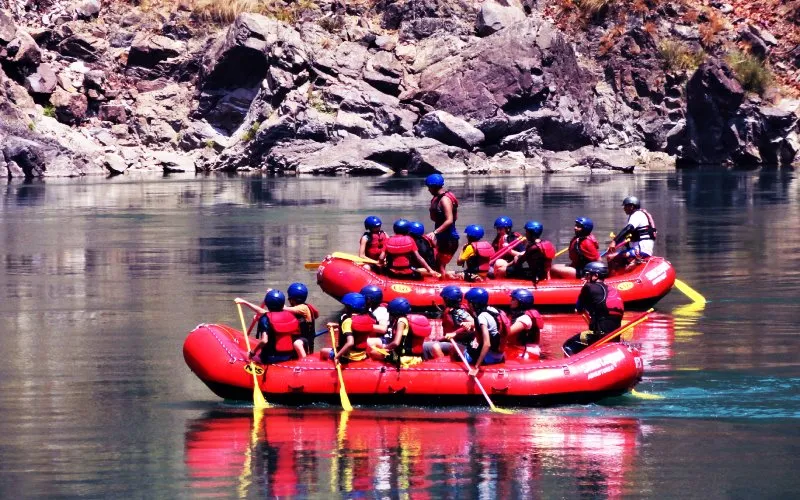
373, 240
637, 238
475, 255
538, 254
488, 346
356, 326
444, 213
278, 331
583, 248
603, 305
401, 254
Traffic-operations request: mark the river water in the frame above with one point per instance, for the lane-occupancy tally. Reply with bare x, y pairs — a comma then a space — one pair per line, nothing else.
101, 280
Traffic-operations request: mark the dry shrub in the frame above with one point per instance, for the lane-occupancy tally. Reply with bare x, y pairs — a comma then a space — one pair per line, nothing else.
709, 30
593, 8
691, 16
650, 28
609, 39
752, 72
678, 56
225, 11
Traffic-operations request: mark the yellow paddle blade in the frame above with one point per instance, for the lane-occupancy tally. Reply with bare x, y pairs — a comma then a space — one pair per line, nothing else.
561, 251
502, 410
346, 406
645, 395
259, 401
311, 265
354, 258
690, 292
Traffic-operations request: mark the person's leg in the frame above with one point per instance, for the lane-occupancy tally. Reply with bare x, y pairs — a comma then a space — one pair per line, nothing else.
562, 271
300, 348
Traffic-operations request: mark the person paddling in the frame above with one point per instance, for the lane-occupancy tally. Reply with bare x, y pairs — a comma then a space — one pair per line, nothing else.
356, 326
636, 240
306, 314
506, 236
602, 303
583, 248
456, 324
526, 324
538, 255
278, 331
444, 213
475, 255
488, 343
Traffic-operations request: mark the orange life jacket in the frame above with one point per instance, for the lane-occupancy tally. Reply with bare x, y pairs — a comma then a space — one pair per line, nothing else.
399, 249
375, 244
479, 261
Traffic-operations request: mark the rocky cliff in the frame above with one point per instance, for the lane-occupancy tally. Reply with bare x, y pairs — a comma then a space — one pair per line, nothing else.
384, 86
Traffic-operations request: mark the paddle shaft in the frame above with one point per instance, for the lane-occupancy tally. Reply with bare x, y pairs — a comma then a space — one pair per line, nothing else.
506, 249
619, 331
477, 382
259, 401
345, 399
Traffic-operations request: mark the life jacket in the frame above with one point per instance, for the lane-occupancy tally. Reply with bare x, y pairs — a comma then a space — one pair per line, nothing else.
375, 244
498, 342
436, 212
531, 335
500, 242
283, 326
613, 302
449, 324
647, 232
419, 329
482, 254
576, 255
399, 249
539, 255
361, 327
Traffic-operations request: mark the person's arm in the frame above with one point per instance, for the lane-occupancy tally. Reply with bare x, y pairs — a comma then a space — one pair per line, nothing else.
350, 342
484, 332
252, 306
399, 330
425, 264
590, 249
447, 209
382, 258
362, 246
466, 253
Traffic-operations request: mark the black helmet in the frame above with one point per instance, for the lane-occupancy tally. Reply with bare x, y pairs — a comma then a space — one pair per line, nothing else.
599, 268
631, 200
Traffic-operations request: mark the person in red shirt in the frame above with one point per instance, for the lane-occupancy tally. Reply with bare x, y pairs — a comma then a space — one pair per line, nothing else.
583, 249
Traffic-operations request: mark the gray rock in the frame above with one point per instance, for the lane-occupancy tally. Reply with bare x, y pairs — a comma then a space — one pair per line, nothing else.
86, 9
8, 29
113, 112
43, 81
70, 107
26, 156
114, 163
495, 15
448, 129
385, 42
83, 46
148, 50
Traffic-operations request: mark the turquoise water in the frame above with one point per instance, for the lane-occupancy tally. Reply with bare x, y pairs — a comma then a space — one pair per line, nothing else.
100, 281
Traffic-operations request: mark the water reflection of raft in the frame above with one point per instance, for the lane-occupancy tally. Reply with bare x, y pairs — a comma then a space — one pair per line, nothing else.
640, 286
217, 355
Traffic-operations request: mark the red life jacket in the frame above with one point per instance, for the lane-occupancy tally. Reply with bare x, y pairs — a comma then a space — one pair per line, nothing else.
448, 324
307, 328
647, 232
436, 212
399, 249
499, 341
531, 335
539, 255
576, 254
479, 261
375, 244
361, 326
419, 329
283, 326
613, 301
499, 243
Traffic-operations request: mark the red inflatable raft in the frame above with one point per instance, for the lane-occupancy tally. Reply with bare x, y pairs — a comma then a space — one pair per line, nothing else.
218, 356
640, 286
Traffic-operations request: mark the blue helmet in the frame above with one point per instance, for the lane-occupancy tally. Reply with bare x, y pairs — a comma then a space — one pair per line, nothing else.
416, 229
534, 227
478, 297
585, 224
503, 222
372, 294
434, 180
371, 222
599, 268
474, 231
297, 292
401, 226
399, 307
524, 297
355, 302
274, 300
451, 294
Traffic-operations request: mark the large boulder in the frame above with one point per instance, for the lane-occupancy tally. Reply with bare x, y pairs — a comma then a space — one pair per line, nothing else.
495, 15
448, 129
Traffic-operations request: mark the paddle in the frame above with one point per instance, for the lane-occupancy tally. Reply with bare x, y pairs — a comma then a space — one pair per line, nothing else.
622, 329
345, 256
506, 249
342, 391
689, 292
259, 401
478, 382
560, 252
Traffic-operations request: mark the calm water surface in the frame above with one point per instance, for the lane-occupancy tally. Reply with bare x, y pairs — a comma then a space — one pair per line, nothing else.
100, 281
